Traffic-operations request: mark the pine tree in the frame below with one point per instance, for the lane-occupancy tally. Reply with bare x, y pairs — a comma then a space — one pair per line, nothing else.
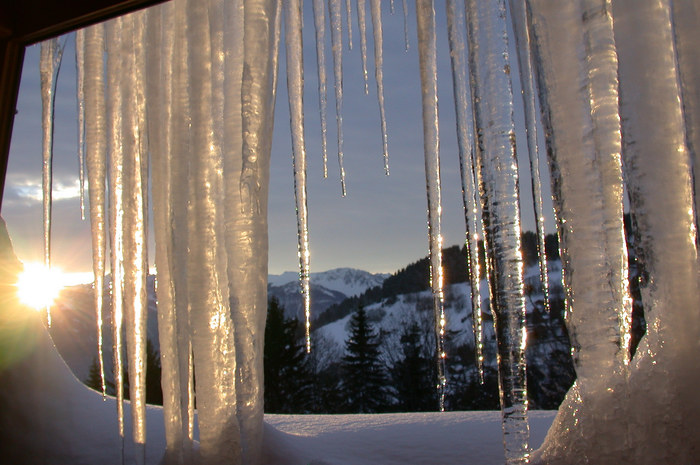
287, 374
364, 378
94, 380
414, 376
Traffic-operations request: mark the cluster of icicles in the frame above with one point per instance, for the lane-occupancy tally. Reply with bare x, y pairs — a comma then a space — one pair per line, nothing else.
187, 88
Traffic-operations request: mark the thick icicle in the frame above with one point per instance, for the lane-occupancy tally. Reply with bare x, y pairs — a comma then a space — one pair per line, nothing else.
465, 129
337, 49
376, 8
362, 29
521, 34
320, 28
686, 15
212, 327
160, 56
134, 190
50, 63
601, 66
115, 70
498, 168
95, 157
425, 13
250, 229
80, 91
295, 90
583, 208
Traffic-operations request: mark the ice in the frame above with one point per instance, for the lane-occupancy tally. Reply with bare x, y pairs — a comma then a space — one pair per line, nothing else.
405, 23
465, 140
583, 208
134, 204
425, 12
498, 168
362, 27
50, 64
685, 17
348, 19
320, 28
95, 148
376, 10
337, 50
80, 97
295, 90
115, 69
521, 34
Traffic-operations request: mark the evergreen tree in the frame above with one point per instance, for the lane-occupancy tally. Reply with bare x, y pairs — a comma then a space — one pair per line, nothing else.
414, 376
364, 378
287, 374
94, 380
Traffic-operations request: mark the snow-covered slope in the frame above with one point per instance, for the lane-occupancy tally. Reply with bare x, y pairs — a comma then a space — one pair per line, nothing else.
327, 288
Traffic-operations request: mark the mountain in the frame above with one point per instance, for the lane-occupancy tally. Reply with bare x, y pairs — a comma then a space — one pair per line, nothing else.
327, 288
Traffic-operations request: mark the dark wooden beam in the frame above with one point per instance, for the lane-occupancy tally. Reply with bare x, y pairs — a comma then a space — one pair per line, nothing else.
24, 22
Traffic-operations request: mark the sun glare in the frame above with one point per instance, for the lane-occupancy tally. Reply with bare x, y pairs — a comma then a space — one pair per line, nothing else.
38, 286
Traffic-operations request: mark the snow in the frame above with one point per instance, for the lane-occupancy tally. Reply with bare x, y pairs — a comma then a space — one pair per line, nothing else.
348, 281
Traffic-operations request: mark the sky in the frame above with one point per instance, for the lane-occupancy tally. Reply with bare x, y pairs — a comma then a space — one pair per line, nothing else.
380, 226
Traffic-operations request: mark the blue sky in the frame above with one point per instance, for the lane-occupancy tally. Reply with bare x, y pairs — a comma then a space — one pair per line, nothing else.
379, 226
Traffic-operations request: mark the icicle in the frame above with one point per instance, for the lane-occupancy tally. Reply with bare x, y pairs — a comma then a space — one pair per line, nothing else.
522, 46
115, 71
295, 90
362, 26
337, 48
601, 58
80, 91
96, 154
348, 18
213, 340
405, 24
685, 16
160, 57
320, 27
465, 125
250, 265
51, 53
583, 207
134, 190
379, 76
497, 164
425, 13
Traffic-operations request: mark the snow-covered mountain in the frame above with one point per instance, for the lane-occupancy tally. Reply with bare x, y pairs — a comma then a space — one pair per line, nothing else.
327, 288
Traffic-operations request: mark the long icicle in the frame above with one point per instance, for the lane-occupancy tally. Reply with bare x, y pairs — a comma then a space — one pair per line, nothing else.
320, 29
295, 90
362, 27
135, 170
522, 45
465, 125
80, 91
337, 48
376, 7
498, 168
95, 155
116, 210
50, 63
160, 57
425, 12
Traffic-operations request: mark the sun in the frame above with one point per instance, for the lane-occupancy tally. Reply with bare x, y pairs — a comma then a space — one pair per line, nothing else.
38, 286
